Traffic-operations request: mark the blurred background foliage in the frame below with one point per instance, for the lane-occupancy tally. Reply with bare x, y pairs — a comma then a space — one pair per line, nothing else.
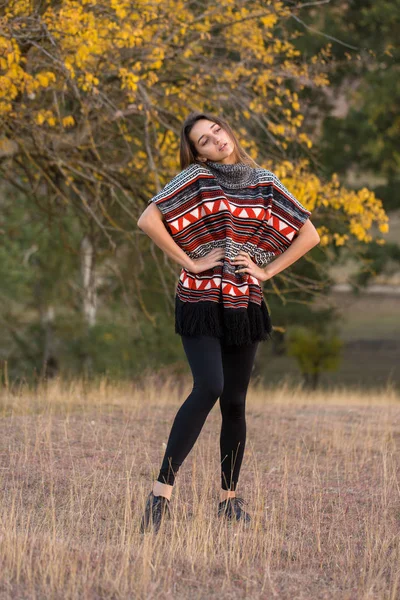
92, 95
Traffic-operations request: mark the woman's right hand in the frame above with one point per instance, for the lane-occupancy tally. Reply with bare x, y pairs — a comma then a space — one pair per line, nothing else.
212, 259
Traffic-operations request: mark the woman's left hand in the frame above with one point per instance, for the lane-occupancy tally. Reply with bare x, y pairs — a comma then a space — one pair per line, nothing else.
248, 266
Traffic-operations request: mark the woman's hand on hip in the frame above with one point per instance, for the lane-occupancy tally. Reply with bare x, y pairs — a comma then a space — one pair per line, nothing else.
246, 264
215, 258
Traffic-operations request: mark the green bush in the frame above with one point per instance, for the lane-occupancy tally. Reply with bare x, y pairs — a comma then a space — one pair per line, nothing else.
315, 351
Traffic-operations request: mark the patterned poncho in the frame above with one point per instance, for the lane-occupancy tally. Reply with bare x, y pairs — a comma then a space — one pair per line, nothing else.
236, 207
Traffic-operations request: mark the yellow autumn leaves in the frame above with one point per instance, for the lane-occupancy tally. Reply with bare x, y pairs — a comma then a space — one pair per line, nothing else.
358, 210
47, 116
96, 59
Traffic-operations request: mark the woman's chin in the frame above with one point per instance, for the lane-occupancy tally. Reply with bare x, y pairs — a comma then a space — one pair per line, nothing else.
222, 155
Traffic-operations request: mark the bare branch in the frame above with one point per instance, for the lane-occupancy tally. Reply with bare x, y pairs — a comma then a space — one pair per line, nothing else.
329, 37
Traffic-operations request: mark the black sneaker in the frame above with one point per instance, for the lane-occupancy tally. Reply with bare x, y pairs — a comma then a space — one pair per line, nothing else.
232, 510
157, 507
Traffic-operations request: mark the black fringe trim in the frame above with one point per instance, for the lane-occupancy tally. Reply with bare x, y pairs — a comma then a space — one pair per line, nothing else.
198, 318
234, 326
260, 321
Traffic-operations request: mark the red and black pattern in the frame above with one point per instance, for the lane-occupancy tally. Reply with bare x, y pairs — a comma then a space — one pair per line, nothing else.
201, 214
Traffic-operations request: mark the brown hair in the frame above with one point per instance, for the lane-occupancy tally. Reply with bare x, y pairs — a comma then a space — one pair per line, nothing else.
188, 152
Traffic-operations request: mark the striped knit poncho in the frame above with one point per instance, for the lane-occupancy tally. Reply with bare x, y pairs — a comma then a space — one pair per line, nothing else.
236, 207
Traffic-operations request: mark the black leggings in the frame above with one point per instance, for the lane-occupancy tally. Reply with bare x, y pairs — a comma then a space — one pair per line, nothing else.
222, 372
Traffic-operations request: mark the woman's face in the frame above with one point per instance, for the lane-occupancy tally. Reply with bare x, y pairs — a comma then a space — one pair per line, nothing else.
212, 142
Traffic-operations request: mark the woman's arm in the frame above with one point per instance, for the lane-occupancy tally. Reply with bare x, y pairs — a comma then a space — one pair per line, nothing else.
306, 239
151, 222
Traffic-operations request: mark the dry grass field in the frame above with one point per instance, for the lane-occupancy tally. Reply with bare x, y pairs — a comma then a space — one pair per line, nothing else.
320, 477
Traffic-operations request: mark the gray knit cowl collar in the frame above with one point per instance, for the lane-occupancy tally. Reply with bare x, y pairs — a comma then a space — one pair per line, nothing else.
236, 175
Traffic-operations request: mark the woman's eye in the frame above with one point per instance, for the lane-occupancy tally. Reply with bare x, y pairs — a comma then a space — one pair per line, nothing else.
216, 130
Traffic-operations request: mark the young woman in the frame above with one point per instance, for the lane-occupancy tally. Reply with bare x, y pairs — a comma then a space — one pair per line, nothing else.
223, 219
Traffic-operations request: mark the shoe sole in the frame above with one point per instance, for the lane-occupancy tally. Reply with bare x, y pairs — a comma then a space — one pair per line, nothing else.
222, 517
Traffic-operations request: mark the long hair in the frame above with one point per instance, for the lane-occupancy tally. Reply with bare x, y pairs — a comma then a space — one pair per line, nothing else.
188, 152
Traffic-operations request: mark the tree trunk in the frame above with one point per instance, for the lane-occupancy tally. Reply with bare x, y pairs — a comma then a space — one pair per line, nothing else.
311, 380
49, 363
89, 295
88, 281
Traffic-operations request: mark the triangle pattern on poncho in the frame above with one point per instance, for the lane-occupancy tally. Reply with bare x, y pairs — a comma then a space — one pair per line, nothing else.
260, 218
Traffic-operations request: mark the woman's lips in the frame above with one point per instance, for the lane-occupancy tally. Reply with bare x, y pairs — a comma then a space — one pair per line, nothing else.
223, 147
